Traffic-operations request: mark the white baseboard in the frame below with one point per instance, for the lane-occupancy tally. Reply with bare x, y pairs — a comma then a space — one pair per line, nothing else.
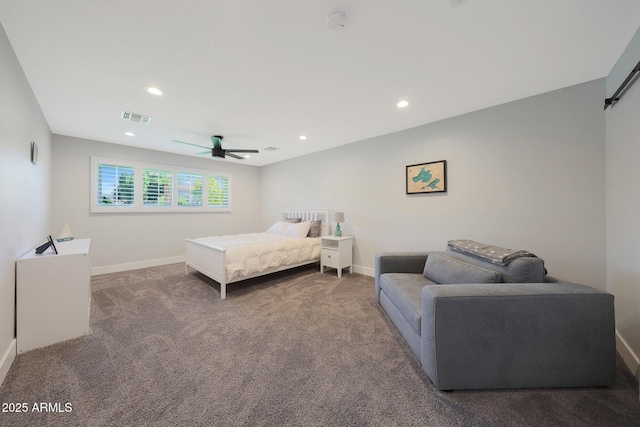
367, 271
7, 360
117, 268
629, 357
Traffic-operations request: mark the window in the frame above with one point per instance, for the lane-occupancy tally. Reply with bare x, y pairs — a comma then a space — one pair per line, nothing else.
120, 186
157, 187
115, 185
218, 191
189, 189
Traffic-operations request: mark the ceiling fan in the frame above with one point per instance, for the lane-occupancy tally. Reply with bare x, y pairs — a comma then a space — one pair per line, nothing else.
217, 150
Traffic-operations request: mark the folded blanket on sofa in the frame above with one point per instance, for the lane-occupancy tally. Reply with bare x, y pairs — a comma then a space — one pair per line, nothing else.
493, 254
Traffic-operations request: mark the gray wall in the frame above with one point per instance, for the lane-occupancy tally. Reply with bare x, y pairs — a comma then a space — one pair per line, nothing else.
623, 203
525, 175
126, 241
26, 202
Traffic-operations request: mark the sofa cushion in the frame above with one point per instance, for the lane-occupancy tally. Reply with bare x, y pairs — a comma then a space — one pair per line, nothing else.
445, 270
405, 291
520, 270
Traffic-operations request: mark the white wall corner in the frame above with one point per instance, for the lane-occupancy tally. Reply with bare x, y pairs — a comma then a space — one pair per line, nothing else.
6, 361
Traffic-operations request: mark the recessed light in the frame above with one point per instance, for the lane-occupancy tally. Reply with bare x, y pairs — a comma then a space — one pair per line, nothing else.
130, 134
402, 103
154, 91
302, 137
246, 156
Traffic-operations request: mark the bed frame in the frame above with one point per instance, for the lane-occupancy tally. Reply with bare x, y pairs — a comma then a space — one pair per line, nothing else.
211, 261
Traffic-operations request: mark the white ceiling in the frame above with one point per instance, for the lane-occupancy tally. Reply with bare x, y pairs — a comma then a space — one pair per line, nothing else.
261, 73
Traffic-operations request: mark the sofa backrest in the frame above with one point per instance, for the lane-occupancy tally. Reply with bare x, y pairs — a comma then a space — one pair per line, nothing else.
445, 270
520, 270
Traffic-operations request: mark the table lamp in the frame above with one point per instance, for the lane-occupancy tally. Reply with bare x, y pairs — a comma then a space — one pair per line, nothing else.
338, 217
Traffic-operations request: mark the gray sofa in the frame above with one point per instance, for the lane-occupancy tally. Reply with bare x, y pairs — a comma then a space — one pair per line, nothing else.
477, 325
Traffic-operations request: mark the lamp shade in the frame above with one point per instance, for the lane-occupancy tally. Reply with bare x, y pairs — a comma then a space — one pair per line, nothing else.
338, 216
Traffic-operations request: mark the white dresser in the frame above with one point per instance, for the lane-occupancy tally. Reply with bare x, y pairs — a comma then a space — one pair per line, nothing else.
53, 295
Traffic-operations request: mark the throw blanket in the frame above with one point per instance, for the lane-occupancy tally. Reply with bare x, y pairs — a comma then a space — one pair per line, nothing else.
493, 254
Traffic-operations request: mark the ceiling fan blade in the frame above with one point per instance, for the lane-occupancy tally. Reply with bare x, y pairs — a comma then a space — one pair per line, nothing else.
217, 150
188, 143
241, 151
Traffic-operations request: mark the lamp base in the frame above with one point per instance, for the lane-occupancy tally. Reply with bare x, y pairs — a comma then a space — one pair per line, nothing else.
338, 232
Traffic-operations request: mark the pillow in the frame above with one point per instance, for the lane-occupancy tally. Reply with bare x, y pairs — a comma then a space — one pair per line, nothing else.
278, 228
299, 230
445, 270
315, 229
293, 220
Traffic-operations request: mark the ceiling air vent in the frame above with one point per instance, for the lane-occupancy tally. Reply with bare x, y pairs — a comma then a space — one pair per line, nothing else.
138, 118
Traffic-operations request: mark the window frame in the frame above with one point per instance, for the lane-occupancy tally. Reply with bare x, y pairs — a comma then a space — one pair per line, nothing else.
139, 206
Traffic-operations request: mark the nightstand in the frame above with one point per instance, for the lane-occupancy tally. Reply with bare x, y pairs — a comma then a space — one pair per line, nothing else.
337, 252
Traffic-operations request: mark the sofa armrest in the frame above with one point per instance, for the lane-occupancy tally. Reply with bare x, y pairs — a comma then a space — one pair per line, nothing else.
398, 262
525, 335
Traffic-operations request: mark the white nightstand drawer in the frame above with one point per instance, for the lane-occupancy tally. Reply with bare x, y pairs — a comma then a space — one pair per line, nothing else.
330, 258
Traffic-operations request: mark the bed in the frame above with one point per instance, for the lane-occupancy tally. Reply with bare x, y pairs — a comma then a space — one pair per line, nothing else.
232, 258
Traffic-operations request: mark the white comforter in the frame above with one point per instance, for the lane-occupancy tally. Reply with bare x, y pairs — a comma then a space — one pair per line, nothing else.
247, 254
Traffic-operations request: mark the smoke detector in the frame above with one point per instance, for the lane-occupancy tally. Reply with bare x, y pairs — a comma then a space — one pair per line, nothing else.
336, 20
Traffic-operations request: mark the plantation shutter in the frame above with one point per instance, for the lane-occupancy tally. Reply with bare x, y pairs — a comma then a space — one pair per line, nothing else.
218, 191
189, 189
115, 185
157, 187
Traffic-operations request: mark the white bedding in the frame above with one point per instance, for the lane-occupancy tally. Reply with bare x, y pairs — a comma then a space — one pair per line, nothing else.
247, 254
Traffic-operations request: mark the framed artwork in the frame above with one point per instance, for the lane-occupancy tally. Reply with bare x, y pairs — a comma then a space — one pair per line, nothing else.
34, 153
427, 177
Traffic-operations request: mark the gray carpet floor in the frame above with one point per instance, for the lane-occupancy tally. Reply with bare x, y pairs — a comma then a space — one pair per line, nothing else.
299, 348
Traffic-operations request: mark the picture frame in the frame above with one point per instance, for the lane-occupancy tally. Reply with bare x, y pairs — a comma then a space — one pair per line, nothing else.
34, 153
430, 177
